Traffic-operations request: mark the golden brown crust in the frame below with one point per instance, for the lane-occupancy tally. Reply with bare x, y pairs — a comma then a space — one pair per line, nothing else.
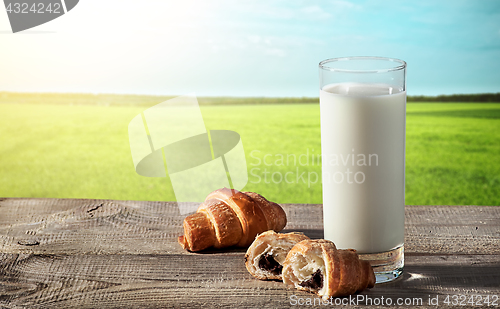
198, 232
251, 217
342, 273
293, 237
350, 273
275, 215
226, 225
270, 243
369, 276
233, 218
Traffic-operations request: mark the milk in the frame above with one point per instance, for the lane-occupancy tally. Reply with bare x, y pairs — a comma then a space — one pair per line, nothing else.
363, 162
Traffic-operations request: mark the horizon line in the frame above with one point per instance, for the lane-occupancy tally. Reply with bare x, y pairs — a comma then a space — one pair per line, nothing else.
223, 96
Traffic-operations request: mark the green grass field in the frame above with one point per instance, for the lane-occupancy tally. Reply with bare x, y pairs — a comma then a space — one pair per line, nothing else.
82, 151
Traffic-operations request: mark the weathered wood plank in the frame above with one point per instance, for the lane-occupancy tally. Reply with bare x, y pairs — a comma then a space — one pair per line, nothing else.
118, 281
59, 226
57, 253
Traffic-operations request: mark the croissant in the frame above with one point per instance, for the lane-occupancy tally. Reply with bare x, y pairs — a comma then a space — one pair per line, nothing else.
317, 266
229, 217
264, 258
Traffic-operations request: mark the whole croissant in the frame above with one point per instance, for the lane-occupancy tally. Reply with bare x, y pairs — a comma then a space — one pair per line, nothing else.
229, 217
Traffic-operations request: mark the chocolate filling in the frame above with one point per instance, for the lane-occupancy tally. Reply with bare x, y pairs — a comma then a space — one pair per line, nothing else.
315, 282
268, 263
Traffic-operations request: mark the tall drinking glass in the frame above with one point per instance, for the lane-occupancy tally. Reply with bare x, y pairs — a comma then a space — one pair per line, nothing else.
363, 120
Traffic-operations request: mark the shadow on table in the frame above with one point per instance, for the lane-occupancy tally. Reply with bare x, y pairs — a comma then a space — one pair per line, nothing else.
444, 279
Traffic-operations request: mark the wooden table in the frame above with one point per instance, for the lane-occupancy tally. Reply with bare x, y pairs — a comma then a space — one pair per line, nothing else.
66, 253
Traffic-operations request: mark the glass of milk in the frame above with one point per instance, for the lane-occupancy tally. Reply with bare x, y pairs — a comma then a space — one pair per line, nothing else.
363, 120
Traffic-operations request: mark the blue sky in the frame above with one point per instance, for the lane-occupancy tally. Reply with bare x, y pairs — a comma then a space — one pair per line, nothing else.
250, 48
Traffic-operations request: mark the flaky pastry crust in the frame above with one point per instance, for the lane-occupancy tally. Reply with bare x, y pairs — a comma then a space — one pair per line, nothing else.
229, 217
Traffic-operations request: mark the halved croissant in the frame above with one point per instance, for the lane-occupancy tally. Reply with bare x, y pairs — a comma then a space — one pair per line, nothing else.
317, 266
229, 217
265, 257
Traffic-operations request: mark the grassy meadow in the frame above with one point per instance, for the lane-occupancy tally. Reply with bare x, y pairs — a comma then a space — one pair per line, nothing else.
52, 149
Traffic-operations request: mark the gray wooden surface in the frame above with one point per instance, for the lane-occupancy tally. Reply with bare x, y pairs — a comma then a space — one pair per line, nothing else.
70, 253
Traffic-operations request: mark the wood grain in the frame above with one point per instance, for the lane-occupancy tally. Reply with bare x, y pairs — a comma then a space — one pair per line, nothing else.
68, 253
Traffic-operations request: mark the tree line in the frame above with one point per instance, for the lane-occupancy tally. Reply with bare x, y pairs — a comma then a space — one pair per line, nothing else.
476, 98
150, 100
